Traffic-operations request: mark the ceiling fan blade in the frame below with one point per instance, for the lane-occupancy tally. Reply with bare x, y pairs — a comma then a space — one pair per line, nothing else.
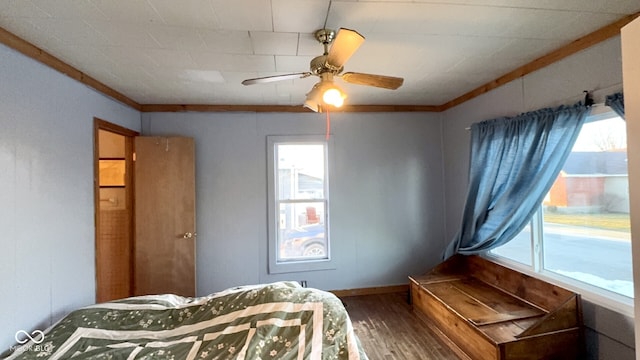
344, 46
381, 81
268, 79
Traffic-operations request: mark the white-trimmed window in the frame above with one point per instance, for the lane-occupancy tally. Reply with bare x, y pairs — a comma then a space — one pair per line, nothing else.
581, 235
298, 214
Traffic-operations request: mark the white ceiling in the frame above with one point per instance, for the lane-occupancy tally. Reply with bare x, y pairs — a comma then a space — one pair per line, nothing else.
199, 51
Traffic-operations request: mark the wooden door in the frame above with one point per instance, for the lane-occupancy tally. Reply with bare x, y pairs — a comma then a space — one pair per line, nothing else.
165, 216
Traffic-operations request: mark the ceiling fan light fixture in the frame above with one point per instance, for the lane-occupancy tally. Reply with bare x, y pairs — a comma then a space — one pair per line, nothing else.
312, 105
331, 93
323, 94
333, 96
314, 99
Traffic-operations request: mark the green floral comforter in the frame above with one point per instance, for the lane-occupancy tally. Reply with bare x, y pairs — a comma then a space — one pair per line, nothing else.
274, 321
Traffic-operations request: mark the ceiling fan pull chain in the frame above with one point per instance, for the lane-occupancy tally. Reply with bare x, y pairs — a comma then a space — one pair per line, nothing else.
328, 125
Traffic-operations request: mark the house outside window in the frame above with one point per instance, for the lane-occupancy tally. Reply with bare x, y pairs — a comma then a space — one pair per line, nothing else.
298, 204
581, 234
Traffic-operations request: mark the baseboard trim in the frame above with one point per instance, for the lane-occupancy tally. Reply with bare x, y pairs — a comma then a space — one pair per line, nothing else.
371, 290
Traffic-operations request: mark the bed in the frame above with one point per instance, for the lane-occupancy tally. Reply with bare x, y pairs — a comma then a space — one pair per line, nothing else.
270, 321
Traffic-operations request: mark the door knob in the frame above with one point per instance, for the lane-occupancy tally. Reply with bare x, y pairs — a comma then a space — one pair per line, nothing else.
189, 235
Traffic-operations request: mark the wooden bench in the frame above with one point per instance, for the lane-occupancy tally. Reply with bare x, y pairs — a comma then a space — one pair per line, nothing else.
491, 312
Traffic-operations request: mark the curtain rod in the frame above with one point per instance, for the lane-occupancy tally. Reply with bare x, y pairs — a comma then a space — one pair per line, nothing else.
594, 105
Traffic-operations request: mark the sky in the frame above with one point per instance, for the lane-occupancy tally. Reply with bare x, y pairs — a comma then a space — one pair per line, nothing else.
603, 134
307, 158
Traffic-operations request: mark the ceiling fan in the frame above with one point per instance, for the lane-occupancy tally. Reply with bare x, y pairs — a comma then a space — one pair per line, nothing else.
329, 65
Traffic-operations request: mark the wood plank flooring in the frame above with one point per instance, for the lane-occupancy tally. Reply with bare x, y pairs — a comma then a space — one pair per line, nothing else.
388, 329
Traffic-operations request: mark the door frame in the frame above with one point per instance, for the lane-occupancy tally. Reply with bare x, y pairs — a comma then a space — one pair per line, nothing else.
99, 124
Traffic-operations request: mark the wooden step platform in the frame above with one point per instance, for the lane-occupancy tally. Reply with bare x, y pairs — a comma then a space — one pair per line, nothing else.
492, 312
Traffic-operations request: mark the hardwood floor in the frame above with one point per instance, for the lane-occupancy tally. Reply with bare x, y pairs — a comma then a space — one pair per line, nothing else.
388, 329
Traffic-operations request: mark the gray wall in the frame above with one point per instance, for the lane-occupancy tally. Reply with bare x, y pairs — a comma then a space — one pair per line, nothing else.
609, 333
46, 192
386, 194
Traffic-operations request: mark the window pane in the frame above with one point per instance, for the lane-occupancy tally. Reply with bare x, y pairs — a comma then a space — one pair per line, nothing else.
586, 213
302, 232
518, 249
300, 171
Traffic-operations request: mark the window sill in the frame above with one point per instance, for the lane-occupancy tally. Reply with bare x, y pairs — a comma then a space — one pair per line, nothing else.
301, 266
607, 299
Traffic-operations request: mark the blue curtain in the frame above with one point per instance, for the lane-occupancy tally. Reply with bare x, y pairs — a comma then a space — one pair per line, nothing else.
514, 162
616, 102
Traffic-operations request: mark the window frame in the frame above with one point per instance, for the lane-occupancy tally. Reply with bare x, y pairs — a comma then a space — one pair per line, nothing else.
592, 293
273, 218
